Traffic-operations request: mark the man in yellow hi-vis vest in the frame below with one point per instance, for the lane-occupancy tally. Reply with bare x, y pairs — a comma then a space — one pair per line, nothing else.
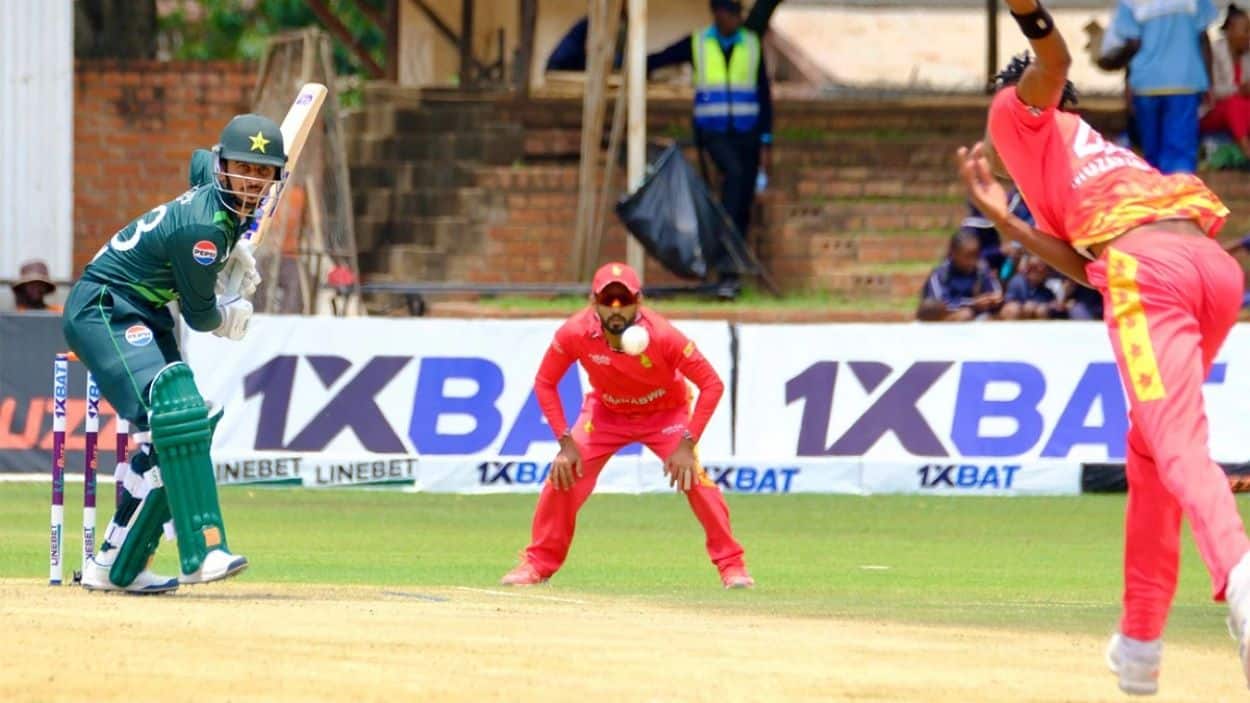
733, 112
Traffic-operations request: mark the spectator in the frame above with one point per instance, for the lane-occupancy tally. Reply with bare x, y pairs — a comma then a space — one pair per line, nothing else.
570, 52
1082, 303
1168, 75
1230, 81
961, 287
33, 286
1112, 52
1028, 295
733, 112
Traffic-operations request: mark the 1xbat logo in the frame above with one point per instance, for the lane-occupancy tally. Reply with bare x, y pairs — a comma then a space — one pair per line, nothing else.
443, 420
1094, 412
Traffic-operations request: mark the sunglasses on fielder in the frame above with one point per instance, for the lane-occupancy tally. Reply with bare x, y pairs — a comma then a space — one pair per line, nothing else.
616, 298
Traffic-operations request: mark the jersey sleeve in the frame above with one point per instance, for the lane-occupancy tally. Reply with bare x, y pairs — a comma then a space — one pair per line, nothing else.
1206, 14
1011, 120
1124, 23
694, 366
561, 354
196, 254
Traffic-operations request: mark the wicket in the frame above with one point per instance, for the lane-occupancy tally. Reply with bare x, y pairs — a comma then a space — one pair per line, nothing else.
60, 399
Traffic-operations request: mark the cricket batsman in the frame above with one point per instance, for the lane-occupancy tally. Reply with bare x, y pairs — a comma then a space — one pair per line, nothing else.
1144, 240
117, 322
639, 394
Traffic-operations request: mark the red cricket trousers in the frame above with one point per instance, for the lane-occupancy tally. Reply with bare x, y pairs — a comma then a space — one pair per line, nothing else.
600, 433
1170, 301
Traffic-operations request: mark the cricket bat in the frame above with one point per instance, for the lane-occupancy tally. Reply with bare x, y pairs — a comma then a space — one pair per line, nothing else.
296, 127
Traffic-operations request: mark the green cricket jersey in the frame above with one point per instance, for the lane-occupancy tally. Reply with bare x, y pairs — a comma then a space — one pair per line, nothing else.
175, 251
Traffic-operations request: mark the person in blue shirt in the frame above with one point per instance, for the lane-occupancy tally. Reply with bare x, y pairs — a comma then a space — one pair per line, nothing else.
570, 52
961, 287
1029, 297
1169, 75
733, 111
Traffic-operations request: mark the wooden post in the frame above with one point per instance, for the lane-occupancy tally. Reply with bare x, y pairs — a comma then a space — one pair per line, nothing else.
592, 127
991, 40
340, 32
525, 48
636, 84
466, 43
595, 247
391, 28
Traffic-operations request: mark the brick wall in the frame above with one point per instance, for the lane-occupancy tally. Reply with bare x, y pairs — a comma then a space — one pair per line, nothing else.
533, 242
135, 126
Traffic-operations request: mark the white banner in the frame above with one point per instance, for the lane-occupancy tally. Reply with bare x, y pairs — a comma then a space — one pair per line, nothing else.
978, 394
478, 474
359, 390
644, 474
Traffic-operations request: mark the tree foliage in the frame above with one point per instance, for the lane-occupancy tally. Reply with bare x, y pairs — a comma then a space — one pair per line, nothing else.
239, 29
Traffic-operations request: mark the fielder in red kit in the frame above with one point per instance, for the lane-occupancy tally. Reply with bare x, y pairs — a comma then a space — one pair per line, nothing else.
641, 397
1109, 220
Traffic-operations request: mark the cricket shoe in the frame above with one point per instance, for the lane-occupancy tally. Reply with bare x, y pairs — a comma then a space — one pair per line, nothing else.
1136, 663
217, 565
95, 577
736, 577
523, 574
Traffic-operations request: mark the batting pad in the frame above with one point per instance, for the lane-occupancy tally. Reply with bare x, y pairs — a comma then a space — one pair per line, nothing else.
182, 434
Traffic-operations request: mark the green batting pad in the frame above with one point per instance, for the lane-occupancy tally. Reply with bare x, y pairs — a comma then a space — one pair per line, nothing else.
182, 434
142, 539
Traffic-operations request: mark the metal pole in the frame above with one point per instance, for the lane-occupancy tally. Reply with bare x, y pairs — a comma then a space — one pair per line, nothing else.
636, 83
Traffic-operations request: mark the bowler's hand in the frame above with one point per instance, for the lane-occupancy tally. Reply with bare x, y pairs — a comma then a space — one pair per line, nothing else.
984, 190
567, 466
682, 467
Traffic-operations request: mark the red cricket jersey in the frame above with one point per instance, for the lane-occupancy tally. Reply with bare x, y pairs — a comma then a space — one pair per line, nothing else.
1083, 189
655, 380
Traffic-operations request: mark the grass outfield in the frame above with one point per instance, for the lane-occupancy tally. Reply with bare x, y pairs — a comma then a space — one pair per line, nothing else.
1044, 564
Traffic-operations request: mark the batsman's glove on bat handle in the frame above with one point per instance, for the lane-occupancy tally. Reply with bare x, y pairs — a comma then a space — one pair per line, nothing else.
236, 313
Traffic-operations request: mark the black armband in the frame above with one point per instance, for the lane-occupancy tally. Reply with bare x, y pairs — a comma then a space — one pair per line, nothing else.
1036, 24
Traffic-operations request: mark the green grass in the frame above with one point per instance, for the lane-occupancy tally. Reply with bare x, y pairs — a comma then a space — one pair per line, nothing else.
1024, 563
751, 298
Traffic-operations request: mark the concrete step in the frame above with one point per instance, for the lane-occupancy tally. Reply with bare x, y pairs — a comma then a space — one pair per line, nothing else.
490, 145
840, 249
900, 280
872, 216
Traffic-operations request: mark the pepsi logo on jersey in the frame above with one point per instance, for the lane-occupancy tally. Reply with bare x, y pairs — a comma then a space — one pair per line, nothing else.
204, 252
138, 335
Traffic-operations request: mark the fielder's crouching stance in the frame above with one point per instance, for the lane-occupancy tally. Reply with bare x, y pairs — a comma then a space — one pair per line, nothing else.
117, 322
638, 394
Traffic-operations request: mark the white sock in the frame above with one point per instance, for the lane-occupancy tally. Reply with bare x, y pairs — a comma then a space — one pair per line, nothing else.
1141, 649
114, 536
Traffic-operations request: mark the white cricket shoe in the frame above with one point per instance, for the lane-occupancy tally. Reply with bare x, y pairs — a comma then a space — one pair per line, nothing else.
95, 577
1135, 663
217, 565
